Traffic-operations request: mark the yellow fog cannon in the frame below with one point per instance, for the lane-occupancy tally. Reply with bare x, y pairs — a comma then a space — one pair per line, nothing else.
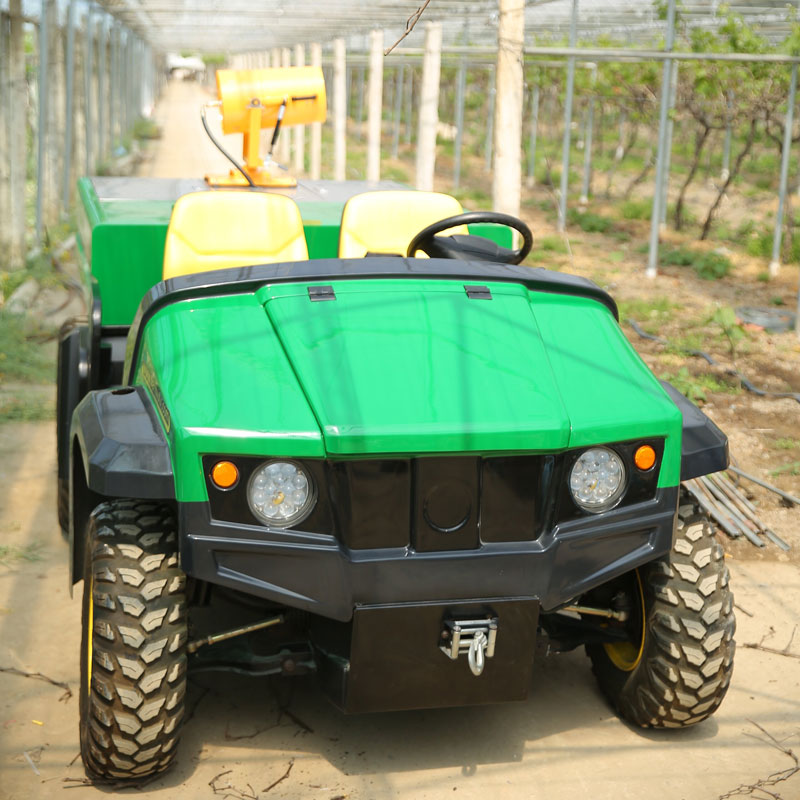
254, 99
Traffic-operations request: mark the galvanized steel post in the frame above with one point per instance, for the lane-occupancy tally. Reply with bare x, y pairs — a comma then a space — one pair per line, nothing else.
567, 138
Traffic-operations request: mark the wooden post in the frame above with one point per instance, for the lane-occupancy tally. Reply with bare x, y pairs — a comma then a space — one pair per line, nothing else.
339, 111
316, 127
17, 101
507, 186
429, 106
299, 130
375, 110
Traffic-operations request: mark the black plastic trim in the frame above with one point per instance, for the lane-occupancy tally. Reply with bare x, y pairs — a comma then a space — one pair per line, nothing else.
317, 573
704, 446
124, 451
248, 279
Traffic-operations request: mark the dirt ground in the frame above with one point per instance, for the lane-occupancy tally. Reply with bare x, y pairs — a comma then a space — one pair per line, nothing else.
256, 739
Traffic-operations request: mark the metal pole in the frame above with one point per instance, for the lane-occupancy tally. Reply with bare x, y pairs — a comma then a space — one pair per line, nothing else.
375, 106
487, 150
562, 199
42, 123
461, 91
399, 84
666, 75
339, 110
668, 151
429, 107
70, 104
532, 141
775, 264
410, 105
726, 147
587, 145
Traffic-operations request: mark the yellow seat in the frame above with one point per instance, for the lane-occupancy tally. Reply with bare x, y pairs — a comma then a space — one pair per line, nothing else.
220, 229
386, 222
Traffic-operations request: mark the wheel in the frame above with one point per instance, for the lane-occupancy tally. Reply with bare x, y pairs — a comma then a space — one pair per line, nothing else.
459, 247
675, 667
133, 650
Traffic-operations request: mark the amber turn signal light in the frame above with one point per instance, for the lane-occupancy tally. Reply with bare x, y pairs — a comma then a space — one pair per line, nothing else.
224, 474
645, 457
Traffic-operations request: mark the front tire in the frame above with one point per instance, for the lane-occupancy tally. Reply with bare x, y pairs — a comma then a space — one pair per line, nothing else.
676, 666
133, 650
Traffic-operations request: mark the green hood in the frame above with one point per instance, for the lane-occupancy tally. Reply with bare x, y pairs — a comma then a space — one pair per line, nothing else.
396, 366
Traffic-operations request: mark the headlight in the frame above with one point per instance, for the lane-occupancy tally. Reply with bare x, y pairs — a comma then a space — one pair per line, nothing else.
597, 479
281, 493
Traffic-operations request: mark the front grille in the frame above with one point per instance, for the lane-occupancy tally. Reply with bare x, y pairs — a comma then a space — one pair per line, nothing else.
430, 504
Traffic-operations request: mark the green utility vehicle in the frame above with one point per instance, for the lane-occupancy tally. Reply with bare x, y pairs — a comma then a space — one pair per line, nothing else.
304, 450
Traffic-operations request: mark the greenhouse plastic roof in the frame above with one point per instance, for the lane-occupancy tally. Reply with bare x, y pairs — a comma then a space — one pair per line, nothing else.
231, 26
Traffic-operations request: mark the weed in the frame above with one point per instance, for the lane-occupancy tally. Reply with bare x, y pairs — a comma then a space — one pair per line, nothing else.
776, 301
589, 222
10, 553
695, 386
707, 265
786, 443
637, 209
725, 317
787, 469
616, 256
763, 276
20, 358
24, 409
144, 128
551, 244
659, 309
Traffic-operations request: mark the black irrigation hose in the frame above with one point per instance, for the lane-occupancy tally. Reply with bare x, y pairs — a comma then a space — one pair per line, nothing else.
709, 359
222, 149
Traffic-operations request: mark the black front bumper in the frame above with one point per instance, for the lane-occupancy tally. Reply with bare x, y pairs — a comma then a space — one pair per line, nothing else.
317, 573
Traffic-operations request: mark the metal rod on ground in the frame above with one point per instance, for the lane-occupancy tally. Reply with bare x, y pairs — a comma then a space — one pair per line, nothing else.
399, 85
666, 76
720, 477
487, 154
70, 107
533, 132
775, 539
785, 495
668, 151
461, 89
567, 137
706, 501
742, 523
775, 263
736, 498
587, 145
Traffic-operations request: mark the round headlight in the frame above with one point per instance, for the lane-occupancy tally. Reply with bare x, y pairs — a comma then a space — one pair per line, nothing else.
597, 479
281, 493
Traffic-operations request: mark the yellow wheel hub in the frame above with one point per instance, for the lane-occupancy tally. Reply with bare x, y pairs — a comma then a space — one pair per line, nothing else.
627, 655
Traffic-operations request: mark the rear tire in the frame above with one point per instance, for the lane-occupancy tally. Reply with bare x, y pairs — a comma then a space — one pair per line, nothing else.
677, 666
133, 650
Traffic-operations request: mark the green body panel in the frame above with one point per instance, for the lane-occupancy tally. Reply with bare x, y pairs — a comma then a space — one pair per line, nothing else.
396, 367
122, 238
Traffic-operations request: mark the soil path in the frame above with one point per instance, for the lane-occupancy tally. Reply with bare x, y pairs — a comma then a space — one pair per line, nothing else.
257, 739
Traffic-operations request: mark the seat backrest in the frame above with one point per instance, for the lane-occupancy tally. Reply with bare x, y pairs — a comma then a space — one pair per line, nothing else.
220, 229
386, 222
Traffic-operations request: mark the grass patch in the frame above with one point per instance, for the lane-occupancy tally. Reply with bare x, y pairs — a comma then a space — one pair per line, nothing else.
10, 554
589, 222
637, 209
22, 359
658, 310
786, 443
707, 265
548, 245
787, 469
695, 386
25, 409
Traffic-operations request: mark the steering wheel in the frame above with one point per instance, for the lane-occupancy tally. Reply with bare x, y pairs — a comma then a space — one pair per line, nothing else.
475, 247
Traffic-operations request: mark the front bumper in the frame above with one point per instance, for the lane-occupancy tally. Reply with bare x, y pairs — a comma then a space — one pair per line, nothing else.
317, 573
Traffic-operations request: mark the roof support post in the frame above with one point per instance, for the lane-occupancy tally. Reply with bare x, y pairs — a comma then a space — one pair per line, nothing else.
567, 138
666, 96
461, 91
429, 107
339, 110
375, 106
399, 84
316, 127
299, 130
533, 132
507, 182
15, 119
775, 263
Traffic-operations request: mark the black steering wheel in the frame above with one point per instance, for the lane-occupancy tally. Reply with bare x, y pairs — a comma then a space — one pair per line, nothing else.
471, 247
